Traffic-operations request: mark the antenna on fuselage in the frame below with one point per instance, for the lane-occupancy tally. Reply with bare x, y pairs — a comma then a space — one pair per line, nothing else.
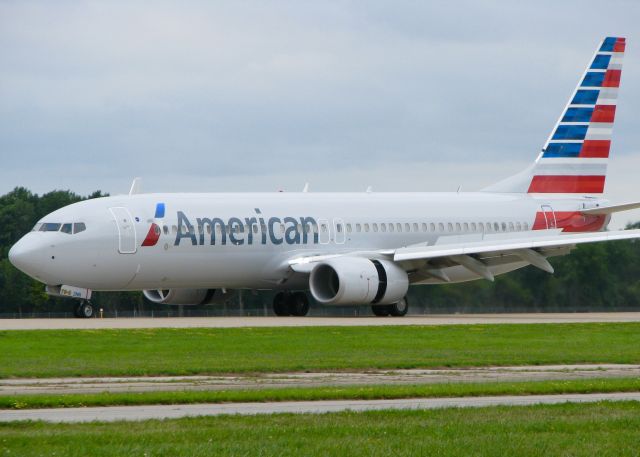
305, 189
136, 186
369, 189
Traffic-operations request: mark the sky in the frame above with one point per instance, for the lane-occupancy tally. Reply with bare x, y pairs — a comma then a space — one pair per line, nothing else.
268, 95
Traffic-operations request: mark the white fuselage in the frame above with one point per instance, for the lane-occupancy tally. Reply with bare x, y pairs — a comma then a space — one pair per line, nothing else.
262, 232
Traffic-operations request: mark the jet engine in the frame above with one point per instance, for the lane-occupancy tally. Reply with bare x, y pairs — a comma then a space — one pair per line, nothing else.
358, 281
186, 296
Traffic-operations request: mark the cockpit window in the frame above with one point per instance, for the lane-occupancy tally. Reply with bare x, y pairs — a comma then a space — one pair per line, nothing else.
50, 227
67, 227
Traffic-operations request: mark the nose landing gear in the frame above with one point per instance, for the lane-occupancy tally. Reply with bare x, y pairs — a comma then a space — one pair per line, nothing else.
84, 309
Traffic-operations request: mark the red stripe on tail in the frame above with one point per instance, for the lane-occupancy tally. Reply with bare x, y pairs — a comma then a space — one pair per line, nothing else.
604, 113
595, 149
612, 78
543, 184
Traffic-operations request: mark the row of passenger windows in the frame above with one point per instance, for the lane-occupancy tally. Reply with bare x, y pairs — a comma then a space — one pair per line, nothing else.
460, 227
69, 228
440, 227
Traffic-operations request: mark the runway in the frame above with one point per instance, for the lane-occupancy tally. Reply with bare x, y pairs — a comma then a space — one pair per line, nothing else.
238, 322
136, 413
57, 386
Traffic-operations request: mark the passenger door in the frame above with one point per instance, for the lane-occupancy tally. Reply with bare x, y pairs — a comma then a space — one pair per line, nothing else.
126, 230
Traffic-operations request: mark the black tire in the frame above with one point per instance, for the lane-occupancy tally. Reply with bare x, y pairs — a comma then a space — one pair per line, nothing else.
381, 310
85, 310
298, 304
399, 309
280, 305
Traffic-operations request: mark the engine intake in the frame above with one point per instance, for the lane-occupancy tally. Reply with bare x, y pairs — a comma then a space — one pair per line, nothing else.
185, 296
358, 281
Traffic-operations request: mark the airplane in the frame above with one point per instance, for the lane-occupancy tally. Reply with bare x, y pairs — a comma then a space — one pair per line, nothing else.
357, 248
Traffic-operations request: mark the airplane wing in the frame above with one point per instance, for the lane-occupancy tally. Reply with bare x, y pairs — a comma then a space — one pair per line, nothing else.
477, 252
534, 249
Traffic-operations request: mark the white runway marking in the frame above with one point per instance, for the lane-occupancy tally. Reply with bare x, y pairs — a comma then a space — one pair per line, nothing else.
237, 322
133, 413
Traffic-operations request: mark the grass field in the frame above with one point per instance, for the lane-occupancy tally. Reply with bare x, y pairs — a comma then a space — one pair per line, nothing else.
48, 353
323, 393
602, 429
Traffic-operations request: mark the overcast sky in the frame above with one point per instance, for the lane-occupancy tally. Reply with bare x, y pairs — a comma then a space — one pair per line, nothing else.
244, 95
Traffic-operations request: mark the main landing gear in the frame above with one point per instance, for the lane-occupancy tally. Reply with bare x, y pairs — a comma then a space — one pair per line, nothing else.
290, 304
397, 309
84, 309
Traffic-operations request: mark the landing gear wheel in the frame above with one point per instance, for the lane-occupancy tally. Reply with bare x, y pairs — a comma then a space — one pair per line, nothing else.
298, 304
381, 310
399, 309
84, 310
280, 305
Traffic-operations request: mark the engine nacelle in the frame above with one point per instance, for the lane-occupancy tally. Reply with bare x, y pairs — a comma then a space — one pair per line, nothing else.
358, 281
186, 296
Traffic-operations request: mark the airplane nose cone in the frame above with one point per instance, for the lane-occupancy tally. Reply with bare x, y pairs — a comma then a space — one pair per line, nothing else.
23, 257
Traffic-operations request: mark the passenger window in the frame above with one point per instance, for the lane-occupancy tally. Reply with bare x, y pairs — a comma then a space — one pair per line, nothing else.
525, 226
399, 227
323, 227
407, 227
450, 227
504, 226
383, 227
458, 228
496, 226
358, 228
348, 228
366, 227
511, 226
66, 228
165, 229
391, 228
432, 227
375, 227
473, 227
339, 228
415, 227
518, 226
481, 226
424, 227
441, 226
174, 229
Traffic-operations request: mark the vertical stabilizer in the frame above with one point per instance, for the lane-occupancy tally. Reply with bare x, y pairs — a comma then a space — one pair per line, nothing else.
575, 156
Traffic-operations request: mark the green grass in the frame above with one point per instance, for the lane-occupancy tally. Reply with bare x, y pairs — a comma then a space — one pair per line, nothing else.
602, 429
48, 353
323, 393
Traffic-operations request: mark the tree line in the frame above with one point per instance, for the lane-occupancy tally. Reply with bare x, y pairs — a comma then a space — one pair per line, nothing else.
601, 276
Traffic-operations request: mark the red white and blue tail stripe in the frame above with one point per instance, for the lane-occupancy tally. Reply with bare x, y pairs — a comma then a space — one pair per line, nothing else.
574, 158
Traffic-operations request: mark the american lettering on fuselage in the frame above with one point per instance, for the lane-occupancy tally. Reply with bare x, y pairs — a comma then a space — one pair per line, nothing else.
274, 230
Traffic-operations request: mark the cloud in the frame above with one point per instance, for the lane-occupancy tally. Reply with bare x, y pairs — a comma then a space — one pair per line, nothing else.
254, 94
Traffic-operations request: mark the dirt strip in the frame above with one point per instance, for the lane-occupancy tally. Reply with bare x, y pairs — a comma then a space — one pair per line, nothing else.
282, 380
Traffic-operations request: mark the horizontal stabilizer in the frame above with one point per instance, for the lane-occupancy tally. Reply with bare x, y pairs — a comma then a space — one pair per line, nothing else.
604, 210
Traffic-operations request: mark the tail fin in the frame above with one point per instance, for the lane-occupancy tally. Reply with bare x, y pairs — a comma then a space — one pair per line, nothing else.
574, 158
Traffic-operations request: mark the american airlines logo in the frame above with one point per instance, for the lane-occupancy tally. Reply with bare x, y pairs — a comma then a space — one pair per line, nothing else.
237, 231
249, 230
